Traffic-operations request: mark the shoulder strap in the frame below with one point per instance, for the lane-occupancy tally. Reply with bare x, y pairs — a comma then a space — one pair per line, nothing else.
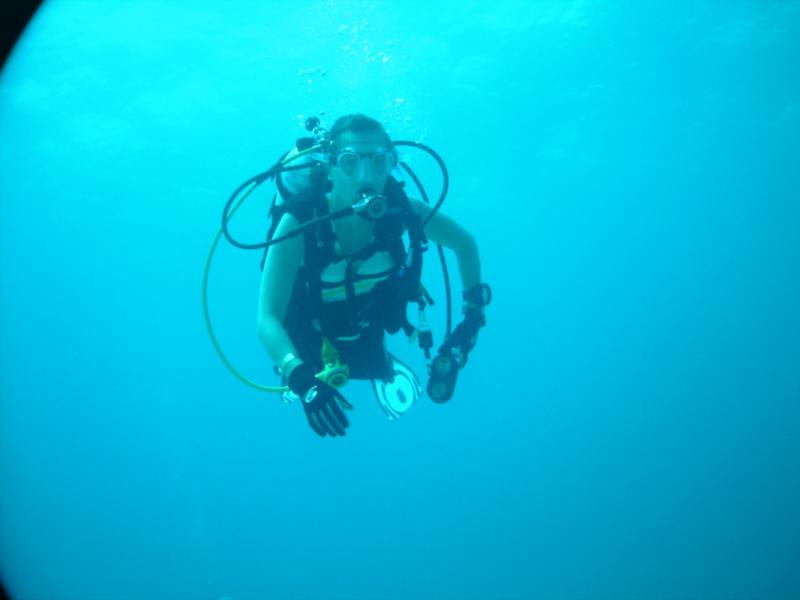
303, 208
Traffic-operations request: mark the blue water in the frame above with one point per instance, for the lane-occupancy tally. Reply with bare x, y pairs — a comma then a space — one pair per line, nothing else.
628, 425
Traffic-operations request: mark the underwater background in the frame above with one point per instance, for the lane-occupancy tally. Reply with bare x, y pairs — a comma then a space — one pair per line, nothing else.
628, 425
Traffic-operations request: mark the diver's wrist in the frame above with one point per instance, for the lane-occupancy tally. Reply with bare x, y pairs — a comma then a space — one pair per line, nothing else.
478, 296
288, 364
289, 369
301, 378
468, 306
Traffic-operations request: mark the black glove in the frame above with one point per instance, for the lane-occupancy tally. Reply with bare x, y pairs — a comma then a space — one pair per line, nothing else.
464, 337
321, 402
455, 349
452, 357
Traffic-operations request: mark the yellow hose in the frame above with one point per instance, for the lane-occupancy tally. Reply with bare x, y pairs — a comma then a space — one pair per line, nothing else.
210, 329
207, 317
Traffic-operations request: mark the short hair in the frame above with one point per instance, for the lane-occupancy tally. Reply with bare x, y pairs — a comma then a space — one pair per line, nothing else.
356, 123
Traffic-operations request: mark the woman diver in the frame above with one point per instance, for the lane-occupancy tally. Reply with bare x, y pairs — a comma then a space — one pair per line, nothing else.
341, 285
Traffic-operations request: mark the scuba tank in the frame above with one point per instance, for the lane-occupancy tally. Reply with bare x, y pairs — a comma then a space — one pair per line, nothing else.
306, 159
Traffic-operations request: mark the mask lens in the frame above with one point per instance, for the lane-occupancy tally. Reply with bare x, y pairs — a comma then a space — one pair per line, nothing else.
347, 162
382, 163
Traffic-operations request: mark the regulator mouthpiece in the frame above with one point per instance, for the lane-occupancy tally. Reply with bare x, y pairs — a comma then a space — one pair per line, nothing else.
370, 204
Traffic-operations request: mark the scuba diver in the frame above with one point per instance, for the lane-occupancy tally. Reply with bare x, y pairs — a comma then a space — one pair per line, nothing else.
343, 261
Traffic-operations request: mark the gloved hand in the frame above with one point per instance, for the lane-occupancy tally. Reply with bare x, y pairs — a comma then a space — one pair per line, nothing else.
464, 337
455, 349
321, 402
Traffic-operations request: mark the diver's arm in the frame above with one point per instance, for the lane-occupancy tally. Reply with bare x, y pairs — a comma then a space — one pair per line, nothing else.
322, 404
277, 281
444, 231
453, 353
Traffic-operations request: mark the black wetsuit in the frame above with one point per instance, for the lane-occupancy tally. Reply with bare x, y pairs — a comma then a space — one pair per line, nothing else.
355, 325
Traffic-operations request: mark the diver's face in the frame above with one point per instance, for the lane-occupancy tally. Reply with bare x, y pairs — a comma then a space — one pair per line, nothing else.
360, 161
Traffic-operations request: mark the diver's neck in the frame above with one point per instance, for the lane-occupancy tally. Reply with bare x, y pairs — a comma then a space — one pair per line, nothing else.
352, 232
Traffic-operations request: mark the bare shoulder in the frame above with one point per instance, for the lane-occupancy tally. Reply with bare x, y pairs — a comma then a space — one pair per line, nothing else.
287, 222
288, 253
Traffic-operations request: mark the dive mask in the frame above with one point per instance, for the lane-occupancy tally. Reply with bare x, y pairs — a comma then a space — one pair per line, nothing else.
381, 162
